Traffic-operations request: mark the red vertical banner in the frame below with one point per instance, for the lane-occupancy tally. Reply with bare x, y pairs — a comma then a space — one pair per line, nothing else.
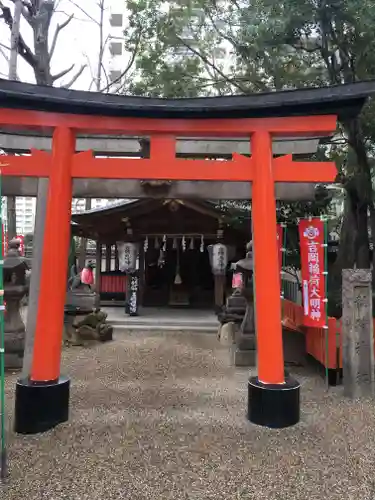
280, 243
311, 234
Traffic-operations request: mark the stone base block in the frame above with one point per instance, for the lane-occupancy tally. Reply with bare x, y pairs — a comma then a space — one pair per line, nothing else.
274, 406
40, 407
243, 358
227, 334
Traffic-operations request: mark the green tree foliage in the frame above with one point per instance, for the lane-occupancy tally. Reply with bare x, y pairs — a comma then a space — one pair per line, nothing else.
272, 46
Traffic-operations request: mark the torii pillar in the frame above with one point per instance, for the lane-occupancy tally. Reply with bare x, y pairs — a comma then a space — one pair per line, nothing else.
273, 400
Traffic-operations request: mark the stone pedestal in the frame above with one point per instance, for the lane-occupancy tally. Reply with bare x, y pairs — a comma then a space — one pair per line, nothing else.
15, 288
14, 328
357, 331
227, 334
244, 350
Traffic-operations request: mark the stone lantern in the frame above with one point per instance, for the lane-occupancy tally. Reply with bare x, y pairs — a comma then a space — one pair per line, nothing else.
15, 288
245, 348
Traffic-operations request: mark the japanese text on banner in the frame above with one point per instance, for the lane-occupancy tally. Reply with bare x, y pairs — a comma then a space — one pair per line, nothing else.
311, 234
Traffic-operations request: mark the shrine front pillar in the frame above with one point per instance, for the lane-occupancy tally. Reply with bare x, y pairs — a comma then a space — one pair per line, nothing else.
42, 398
98, 272
273, 398
219, 285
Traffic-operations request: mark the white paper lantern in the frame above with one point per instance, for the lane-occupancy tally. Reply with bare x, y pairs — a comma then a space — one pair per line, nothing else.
128, 253
219, 259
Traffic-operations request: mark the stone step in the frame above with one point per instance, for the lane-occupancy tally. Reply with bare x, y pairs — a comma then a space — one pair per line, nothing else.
165, 328
160, 321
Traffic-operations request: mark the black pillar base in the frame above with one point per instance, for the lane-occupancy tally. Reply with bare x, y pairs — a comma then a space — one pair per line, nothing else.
40, 407
274, 406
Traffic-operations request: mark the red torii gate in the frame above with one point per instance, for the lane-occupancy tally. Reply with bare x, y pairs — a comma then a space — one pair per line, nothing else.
279, 406
42, 400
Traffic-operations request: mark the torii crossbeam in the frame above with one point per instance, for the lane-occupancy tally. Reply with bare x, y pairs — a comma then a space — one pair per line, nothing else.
42, 400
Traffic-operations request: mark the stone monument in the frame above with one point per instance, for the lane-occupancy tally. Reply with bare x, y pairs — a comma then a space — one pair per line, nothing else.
15, 288
357, 331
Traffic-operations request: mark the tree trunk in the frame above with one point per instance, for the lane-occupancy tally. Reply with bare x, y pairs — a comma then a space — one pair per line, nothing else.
14, 36
362, 191
41, 26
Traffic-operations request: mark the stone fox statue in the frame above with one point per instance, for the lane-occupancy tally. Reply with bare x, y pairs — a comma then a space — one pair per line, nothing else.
84, 279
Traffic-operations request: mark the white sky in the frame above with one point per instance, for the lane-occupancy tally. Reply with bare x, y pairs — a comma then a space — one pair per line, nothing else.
78, 42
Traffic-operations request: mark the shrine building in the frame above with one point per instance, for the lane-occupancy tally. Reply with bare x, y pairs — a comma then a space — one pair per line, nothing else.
174, 238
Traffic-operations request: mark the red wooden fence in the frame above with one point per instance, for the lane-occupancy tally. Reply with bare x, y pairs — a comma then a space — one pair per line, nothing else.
112, 283
316, 340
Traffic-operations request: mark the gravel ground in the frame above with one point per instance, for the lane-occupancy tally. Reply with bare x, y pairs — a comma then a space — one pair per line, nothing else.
163, 417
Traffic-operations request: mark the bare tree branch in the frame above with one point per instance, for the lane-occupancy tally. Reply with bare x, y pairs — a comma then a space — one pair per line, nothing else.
62, 73
4, 46
23, 49
128, 66
59, 28
4, 54
25, 10
84, 11
75, 77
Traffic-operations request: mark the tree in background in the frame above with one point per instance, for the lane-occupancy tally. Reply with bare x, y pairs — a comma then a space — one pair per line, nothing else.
270, 46
38, 14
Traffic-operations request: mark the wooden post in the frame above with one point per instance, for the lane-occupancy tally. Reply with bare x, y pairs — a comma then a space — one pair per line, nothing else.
40, 219
42, 401
98, 271
219, 282
266, 269
357, 331
108, 258
142, 256
117, 263
50, 318
273, 399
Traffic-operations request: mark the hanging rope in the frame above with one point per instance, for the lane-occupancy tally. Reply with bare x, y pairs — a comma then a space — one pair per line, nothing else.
3, 454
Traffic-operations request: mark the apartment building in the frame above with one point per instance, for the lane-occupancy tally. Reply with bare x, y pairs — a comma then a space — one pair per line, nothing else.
79, 204
114, 57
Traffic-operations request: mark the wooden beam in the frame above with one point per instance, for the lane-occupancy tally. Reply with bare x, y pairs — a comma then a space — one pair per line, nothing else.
287, 170
166, 166
287, 126
38, 164
205, 190
85, 165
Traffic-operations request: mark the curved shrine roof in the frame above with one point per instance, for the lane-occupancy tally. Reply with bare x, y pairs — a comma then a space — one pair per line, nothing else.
342, 100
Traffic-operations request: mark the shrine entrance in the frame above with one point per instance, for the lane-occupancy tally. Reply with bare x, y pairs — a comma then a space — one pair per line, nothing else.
42, 399
181, 279
174, 238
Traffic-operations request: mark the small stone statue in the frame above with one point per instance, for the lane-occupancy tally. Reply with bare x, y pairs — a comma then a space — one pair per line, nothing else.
91, 327
76, 281
15, 288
